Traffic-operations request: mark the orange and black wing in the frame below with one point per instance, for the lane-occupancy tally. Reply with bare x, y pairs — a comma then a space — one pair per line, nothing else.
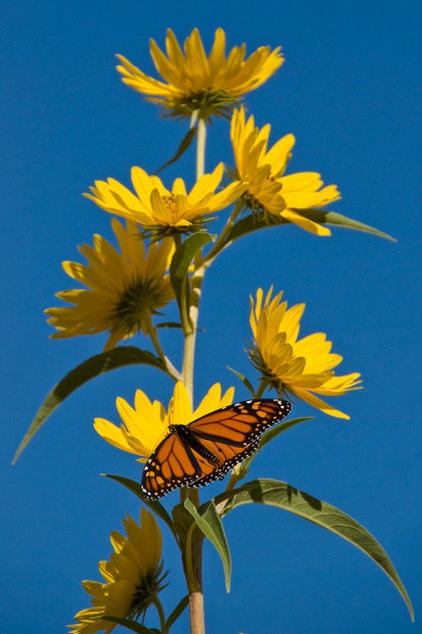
170, 466
233, 433
206, 449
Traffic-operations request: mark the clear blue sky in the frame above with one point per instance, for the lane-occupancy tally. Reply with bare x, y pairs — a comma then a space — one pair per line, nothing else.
349, 92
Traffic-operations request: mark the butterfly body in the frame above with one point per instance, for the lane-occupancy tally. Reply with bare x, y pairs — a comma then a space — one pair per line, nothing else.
205, 450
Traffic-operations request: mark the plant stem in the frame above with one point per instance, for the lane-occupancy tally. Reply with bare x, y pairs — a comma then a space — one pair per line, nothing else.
196, 611
155, 341
200, 148
221, 242
193, 553
161, 615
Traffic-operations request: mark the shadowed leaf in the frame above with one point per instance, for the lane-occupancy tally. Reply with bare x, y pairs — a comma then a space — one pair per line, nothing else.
244, 380
180, 264
133, 626
178, 610
288, 498
257, 221
209, 522
89, 369
135, 487
184, 145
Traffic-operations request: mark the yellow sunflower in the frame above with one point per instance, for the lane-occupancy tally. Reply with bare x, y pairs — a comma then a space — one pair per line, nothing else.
124, 289
132, 578
159, 210
195, 82
302, 367
267, 190
145, 425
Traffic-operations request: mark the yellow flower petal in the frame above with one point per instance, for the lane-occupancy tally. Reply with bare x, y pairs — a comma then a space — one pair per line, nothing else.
194, 81
267, 189
146, 424
132, 577
304, 367
156, 207
124, 289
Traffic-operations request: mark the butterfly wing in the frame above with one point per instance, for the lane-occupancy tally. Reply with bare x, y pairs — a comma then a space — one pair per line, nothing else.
233, 433
206, 449
170, 466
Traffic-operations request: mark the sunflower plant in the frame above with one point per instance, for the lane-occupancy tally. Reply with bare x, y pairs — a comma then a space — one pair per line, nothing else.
164, 242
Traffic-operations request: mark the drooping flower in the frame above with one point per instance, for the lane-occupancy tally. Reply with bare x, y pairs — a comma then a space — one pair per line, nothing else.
133, 577
267, 189
195, 82
124, 289
160, 211
145, 425
302, 367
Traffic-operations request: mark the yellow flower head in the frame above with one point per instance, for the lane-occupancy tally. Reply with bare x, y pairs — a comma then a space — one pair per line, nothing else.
145, 425
193, 81
132, 577
159, 210
267, 190
303, 367
124, 289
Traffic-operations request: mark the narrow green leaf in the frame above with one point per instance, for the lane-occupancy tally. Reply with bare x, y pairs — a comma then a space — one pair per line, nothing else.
178, 610
335, 219
182, 522
133, 626
184, 145
275, 431
269, 435
209, 522
256, 221
155, 506
169, 324
284, 496
181, 262
244, 380
253, 222
89, 369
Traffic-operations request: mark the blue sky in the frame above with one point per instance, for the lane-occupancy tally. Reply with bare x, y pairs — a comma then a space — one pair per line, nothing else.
349, 92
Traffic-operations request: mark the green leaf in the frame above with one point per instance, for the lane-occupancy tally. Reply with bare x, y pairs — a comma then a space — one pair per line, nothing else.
182, 522
169, 324
155, 506
256, 221
209, 522
244, 380
178, 610
133, 626
269, 435
89, 369
335, 219
284, 496
180, 264
184, 145
275, 431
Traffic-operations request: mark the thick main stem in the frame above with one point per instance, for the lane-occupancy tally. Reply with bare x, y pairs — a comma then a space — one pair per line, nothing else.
196, 612
196, 599
190, 333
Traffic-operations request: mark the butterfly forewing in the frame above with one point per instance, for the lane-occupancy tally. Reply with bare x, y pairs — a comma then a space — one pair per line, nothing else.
209, 447
170, 466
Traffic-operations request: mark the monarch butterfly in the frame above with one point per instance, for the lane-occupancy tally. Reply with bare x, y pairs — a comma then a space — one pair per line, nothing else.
205, 450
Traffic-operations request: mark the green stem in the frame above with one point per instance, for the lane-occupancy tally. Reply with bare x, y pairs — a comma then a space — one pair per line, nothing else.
157, 603
152, 331
221, 244
261, 389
